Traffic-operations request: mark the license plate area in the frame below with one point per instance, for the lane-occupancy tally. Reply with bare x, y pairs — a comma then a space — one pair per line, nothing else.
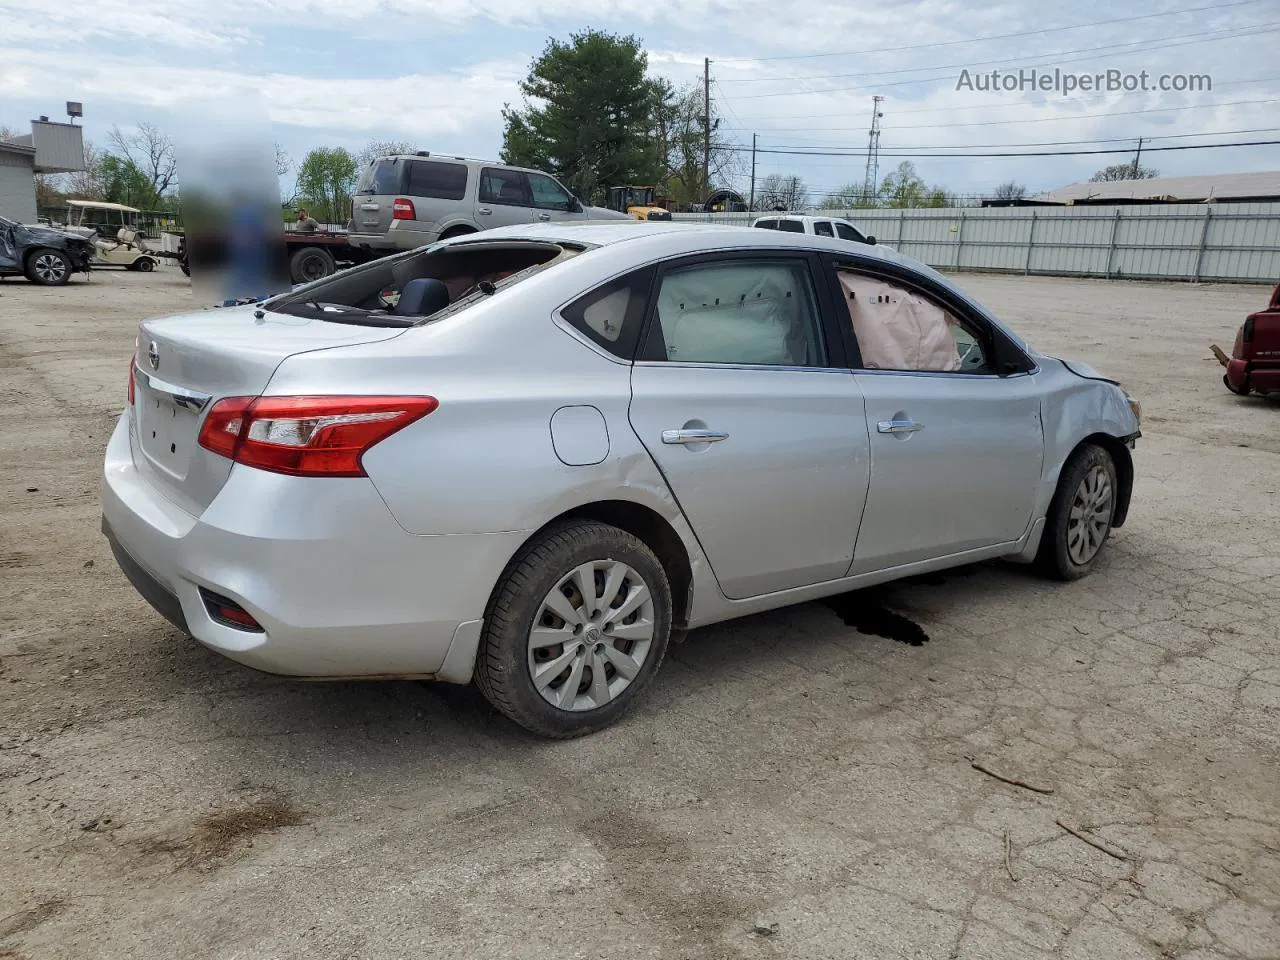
166, 432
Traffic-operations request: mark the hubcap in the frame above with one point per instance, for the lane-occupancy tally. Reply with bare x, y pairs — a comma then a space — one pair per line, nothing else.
592, 635
49, 267
1090, 516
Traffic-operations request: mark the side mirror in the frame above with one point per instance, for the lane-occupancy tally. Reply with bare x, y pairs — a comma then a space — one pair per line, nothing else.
871, 240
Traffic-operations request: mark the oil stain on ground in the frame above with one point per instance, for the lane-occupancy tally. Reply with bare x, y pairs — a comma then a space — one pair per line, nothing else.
864, 610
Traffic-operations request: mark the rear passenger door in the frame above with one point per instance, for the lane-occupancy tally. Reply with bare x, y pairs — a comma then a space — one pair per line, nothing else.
503, 198
741, 398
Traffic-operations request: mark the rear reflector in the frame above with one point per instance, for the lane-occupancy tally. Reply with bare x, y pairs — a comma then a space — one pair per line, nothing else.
403, 209
228, 612
132, 361
307, 436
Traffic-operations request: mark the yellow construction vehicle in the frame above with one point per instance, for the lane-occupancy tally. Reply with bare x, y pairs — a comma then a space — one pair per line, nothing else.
637, 202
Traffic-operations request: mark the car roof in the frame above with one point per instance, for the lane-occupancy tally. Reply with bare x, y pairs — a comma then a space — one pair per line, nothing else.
673, 238
455, 159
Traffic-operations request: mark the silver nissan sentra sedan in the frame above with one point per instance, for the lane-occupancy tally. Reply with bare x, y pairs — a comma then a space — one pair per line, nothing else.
529, 456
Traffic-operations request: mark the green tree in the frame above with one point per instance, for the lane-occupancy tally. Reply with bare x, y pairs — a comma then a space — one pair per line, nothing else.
1124, 171
326, 177
123, 181
843, 198
588, 115
904, 187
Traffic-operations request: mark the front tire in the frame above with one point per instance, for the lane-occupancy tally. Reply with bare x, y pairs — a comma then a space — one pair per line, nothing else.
48, 267
575, 630
1080, 515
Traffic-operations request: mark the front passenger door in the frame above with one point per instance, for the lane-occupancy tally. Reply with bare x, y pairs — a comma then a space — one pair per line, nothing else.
956, 450
550, 200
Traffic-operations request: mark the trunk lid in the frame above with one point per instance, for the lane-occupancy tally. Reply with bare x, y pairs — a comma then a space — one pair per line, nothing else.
186, 364
374, 197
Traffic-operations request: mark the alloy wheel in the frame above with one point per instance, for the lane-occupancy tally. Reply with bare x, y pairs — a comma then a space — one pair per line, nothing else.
49, 267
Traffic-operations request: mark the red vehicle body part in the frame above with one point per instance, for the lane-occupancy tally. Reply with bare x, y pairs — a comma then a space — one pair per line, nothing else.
1255, 359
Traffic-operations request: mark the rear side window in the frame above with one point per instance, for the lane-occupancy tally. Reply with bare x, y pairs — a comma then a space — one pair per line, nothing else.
380, 177
791, 226
612, 316
823, 229
768, 225
437, 180
509, 187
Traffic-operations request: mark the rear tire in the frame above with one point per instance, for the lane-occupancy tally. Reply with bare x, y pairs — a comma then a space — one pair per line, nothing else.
1080, 515
48, 267
311, 263
146, 264
566, 676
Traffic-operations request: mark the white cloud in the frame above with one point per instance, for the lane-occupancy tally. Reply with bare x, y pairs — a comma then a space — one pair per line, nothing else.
412, 105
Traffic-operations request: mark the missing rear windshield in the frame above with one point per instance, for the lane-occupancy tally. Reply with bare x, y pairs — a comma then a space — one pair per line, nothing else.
423, 285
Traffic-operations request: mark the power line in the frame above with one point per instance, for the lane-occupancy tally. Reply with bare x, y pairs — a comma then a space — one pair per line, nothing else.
1074, 116
1058, 58
1033, 153
858, 151
999, 36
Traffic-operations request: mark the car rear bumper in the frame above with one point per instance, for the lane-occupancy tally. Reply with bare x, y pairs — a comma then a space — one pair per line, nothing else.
1244, 376
337, 586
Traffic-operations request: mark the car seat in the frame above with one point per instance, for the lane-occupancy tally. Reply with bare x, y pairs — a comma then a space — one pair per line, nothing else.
422, 297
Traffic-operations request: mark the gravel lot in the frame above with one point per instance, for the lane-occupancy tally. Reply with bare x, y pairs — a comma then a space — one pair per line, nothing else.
791, 788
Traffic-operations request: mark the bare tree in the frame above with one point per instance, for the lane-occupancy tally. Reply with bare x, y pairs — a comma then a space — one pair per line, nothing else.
778, 192
89, 183
8, 133
151, 151
1010, 191
284, 162
679, 138
384, 148
1124, 171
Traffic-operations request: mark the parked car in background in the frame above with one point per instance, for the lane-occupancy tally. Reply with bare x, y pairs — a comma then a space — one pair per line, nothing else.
527, 457
1254, 364
405, 201
818, 226
43, 255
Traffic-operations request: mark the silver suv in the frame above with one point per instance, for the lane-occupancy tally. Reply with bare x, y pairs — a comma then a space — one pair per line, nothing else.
408, 200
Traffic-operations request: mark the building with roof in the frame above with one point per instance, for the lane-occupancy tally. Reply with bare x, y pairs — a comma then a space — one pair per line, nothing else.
48, 148
1263, 187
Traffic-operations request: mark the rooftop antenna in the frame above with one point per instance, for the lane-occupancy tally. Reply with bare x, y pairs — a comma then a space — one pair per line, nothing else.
873, 152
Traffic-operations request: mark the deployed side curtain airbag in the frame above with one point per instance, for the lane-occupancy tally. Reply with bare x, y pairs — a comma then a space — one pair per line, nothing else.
896, 329
735, 313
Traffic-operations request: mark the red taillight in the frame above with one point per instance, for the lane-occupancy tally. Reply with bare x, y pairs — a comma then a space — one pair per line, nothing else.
402, 209
307, 436
132, 361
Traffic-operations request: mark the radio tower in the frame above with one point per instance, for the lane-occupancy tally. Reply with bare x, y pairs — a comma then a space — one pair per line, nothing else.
873, 152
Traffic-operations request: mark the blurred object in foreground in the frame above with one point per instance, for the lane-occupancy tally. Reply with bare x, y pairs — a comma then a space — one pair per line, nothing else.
231, 202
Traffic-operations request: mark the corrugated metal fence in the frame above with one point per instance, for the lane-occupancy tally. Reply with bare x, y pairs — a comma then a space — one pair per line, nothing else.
1226, 241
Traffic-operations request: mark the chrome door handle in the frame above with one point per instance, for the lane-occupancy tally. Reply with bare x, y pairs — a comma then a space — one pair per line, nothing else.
483, 211
693, 436
544, 216
898, 426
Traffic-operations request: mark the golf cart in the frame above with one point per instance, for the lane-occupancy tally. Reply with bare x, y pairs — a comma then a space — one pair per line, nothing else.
114, 230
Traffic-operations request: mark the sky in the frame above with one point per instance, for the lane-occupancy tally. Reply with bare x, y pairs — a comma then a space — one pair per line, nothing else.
799, 74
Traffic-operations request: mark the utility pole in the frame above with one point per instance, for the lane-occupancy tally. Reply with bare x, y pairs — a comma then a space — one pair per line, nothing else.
873, 151
1136, 157
706, 126
751, 204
